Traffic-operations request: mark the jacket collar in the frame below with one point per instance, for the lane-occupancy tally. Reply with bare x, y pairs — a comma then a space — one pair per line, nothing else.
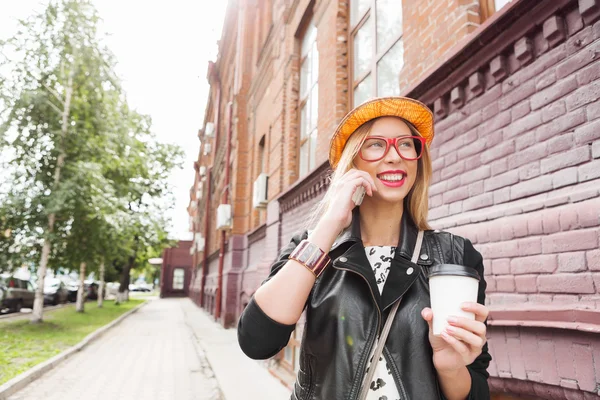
402, 274
406, 244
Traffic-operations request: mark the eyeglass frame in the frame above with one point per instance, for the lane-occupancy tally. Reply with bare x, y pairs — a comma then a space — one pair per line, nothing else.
392, 142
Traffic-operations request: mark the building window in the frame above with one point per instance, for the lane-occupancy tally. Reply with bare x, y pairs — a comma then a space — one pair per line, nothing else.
498, 4
291, 354
309, 99
489, 7
377, 48
178, 278
261, 155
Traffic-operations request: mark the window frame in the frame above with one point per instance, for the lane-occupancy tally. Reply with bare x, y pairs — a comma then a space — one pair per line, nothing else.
487, 9
294, 345
173, 279
262, 164
354, 81
303, 101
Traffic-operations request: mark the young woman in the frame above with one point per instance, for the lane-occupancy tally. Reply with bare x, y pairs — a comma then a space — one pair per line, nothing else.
351, 269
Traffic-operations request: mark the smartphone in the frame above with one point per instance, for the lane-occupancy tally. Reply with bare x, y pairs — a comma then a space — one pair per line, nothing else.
359, 195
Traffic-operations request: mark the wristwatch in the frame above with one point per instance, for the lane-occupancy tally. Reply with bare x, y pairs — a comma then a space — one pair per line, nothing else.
311, 256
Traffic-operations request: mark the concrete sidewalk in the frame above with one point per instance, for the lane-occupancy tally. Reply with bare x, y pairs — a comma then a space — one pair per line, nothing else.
169, 349
151, 355
238, 376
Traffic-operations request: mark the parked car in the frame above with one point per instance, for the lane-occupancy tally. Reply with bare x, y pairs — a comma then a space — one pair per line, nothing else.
112, 288
92, 288
55, 291
72, 286
142, 287
15, 293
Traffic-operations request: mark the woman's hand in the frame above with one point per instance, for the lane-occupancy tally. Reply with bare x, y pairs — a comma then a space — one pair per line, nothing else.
461, 342
340, 209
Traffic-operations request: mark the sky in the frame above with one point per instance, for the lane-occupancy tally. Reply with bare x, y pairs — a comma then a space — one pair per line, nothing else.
162, 49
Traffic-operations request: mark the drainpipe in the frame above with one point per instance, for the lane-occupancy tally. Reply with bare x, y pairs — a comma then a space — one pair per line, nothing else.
206, 235
224, 200
194, 230
214, 78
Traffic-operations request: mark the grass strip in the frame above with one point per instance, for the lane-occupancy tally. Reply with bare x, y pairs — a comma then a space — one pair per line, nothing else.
24, 345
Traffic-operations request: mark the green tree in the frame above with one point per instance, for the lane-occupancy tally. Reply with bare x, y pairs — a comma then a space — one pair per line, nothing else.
85, 173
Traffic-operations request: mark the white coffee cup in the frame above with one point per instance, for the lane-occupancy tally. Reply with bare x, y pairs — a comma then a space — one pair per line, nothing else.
450, 286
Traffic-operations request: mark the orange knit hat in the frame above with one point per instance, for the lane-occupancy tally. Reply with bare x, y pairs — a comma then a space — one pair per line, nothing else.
411, 110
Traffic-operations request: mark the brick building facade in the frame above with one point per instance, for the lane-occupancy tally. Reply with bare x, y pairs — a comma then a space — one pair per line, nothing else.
516, 156
177, 270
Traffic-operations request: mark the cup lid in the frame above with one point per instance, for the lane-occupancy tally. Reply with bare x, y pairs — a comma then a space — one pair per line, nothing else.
453, 269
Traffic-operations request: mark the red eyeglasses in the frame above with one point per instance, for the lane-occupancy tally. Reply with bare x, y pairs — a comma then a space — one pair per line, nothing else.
409, 148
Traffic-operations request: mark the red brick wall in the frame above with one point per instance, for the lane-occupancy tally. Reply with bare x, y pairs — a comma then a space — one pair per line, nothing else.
176, 257
431, 28
516, 160
258, 69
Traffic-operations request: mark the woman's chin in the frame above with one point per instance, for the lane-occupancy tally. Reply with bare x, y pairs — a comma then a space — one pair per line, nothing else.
388, 198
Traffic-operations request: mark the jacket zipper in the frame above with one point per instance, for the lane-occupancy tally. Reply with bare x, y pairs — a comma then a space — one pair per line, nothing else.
396, 374
363, 365
311, 387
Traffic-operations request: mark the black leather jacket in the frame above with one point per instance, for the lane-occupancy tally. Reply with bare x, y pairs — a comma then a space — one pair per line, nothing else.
345, 313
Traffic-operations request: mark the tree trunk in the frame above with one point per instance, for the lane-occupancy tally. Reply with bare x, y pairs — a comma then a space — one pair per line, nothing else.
101, 287
79, 307
123, 294
38, 304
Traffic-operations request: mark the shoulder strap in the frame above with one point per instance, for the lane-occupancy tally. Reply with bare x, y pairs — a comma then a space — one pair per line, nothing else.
386, 329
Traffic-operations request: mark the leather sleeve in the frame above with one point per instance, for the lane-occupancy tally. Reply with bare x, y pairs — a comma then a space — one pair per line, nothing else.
478, 369
259, 336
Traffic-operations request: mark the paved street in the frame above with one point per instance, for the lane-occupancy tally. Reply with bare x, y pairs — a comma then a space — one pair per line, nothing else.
152, 355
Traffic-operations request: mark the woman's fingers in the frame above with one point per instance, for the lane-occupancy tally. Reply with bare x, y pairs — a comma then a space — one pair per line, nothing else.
477, 327
369, 178
361, 181
456, 344
354, 173
481, 312
427, 315
466, 336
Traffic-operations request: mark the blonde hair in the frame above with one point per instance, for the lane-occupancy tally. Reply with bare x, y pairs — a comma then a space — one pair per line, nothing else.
417, 200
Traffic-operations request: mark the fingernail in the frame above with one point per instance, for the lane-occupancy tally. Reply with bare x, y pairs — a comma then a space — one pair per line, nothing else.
450, 329
452, 320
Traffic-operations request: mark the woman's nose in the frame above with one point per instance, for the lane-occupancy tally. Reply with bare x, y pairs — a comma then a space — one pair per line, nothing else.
392, 155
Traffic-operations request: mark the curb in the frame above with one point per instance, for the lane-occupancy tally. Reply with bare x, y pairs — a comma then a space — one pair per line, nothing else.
20, 315
22, 380
203, 358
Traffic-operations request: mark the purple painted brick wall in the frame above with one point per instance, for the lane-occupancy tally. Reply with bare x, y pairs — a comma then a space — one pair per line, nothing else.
530, 203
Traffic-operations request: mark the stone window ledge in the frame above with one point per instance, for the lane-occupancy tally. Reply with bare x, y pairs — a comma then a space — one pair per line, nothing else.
579, 318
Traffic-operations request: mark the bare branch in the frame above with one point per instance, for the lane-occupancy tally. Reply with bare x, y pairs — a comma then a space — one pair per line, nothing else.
54, 93
58, 110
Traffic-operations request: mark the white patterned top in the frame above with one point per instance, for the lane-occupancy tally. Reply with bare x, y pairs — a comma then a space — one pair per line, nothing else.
382, 386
